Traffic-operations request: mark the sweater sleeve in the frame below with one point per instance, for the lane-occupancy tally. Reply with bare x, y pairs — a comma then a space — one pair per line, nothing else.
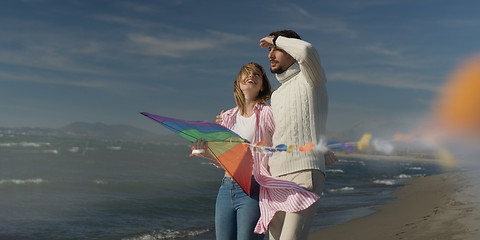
307, 57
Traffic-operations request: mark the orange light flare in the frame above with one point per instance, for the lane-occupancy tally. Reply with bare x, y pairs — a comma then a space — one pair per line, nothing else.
453, 125
457, 108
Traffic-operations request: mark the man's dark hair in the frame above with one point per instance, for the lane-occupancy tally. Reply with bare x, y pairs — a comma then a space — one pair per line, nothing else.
285, 33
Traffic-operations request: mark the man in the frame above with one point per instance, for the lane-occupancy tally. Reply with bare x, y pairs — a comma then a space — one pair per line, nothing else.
299, 107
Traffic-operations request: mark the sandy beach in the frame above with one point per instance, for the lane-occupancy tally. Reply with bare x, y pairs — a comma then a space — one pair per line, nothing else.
444, 206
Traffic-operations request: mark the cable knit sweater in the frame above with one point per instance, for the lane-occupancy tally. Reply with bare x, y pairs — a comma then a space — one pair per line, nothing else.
300, 108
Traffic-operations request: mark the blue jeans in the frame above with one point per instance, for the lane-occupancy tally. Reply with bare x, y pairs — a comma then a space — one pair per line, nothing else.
236, 214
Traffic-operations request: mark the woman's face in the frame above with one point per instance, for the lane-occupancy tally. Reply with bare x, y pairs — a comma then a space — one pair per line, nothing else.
251, 83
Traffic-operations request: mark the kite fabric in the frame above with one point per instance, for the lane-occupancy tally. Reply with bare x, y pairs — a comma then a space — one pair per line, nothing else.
234, 154
230, 150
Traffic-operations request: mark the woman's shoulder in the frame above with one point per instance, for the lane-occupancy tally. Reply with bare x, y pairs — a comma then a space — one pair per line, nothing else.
230, 112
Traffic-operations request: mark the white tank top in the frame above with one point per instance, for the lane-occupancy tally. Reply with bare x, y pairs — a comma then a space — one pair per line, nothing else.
244, 127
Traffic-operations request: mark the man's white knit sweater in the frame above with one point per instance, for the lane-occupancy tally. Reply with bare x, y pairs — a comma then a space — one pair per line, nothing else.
300, 108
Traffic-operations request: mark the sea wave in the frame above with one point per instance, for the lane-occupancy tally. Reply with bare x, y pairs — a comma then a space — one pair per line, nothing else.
416, 168
34, 144
167, 234
52, 151
116, 148
341, 189
388, 182
100, 182
335, 171
73, 149
25, 144
23, 181
347, 161
7, 144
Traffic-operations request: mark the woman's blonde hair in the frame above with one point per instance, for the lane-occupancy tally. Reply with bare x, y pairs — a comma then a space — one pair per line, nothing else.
264, 94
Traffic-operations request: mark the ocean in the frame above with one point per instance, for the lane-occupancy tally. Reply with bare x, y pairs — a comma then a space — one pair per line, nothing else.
84, 188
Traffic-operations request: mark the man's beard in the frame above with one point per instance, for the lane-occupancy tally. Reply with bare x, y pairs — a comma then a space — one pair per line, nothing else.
277, 70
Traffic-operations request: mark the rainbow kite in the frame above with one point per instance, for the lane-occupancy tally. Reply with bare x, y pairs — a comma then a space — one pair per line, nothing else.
231, 151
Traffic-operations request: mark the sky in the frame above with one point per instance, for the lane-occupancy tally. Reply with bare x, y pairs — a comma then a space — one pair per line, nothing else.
105, 61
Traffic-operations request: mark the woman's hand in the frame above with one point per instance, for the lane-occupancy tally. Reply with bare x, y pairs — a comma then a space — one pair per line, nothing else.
219, 119
200, 144
200, 148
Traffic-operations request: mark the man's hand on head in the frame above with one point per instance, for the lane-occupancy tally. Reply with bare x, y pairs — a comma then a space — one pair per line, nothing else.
267, 42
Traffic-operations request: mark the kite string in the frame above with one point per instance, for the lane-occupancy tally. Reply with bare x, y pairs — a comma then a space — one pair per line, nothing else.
322, 146
263, 148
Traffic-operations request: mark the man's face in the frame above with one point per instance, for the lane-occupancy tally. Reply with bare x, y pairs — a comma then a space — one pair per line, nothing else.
279, 60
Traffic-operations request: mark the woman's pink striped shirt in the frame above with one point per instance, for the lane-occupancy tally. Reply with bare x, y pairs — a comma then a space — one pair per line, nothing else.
275, 194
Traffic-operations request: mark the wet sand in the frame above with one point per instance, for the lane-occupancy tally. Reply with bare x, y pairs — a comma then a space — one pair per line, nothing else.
444, 206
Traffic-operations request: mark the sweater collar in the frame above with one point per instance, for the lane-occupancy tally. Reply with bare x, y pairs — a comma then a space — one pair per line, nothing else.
291, 71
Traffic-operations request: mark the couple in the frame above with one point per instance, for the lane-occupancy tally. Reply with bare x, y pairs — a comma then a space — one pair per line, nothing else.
290, 183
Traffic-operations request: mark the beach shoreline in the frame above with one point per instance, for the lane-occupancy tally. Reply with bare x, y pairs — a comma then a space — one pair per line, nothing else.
443, 206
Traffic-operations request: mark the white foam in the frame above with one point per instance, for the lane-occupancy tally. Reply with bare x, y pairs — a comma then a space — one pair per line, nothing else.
335, 171
23, 181
34, 144
100, 182
116, 148
25, 144
416, 168
7, 144
385, 182
342, 189
167, 234
74, 149
29, 144
347, 161
52, 151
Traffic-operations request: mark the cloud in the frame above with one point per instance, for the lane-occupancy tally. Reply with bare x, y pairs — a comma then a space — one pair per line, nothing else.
134, 23
398, 80
44, 46
178, 46
47, 49
170, 47
380, 49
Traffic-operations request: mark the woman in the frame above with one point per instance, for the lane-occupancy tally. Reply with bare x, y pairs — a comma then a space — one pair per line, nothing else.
236, 214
